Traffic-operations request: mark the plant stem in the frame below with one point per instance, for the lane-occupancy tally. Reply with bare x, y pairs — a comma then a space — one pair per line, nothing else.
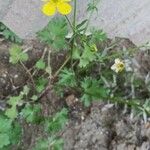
74, 15
28, 72
74, 32
49, 64
89, 18
65, 62
70, 24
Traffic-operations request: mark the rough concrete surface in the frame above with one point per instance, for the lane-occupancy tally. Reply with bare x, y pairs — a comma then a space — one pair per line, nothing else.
120, 18
24, 17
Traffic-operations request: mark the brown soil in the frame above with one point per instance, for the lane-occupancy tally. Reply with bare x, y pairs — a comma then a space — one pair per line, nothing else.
100, 127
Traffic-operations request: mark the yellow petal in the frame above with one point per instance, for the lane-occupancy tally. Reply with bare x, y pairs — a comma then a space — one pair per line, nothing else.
49, 9
65, 0
64, 8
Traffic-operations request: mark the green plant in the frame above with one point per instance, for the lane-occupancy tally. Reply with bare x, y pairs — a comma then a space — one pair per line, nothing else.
52, 143
17, 55
31, 113
92, 91
8, 34
86, 72
54, 33
57, 122
10, 132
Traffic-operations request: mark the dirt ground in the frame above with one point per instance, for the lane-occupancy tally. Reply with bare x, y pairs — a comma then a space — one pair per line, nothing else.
102, 126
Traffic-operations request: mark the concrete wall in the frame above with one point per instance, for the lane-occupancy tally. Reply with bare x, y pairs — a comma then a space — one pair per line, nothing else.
123, 18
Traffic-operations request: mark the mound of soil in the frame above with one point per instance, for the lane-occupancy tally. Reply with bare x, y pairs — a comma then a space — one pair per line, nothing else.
107, 128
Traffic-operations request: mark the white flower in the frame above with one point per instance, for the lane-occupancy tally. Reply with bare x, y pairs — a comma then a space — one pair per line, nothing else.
118, 66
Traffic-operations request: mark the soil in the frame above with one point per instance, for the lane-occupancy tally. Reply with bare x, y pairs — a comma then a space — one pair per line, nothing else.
102, 126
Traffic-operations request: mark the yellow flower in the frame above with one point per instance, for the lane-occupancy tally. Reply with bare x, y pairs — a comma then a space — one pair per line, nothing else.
118, 66
51, 6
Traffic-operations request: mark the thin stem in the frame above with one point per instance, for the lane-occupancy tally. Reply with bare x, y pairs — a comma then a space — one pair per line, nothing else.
74, 15
70, 24
42, 57
28, 72
49, 64
61, 67
74, 32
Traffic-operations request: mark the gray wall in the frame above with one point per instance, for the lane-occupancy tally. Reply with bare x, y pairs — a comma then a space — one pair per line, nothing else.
123, 18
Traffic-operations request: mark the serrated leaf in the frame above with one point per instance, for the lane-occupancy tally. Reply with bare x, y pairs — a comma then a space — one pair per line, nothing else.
31, 113
5, 124
76, 54
15, 133
42, 144
8, 34
67, 78
87, 56
92, 91
57, 144
4, 140
40, 84
14, 100
40, 64
54, 34
11, 112
97, 36
16, 54
57, 122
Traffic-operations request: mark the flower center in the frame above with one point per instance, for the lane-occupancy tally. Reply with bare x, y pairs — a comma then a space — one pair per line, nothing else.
120, 66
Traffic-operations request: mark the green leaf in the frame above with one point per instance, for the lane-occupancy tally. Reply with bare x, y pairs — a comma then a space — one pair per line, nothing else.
15, 133
86, 99
42, 144
57, 144
41, 84
76, 54
4, 140
92, 91
97, 36
34, 97
25, 91
9, 130
12, 112
5, 124
92, 6
16, 54
14, 100
67, 78
87, 56
40, 64
8, 34
57, 122
52, 143
31, 113
54, 34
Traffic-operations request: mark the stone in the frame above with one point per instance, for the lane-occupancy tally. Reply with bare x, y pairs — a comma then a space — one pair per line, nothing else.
24, 17
4, 5
128, 19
